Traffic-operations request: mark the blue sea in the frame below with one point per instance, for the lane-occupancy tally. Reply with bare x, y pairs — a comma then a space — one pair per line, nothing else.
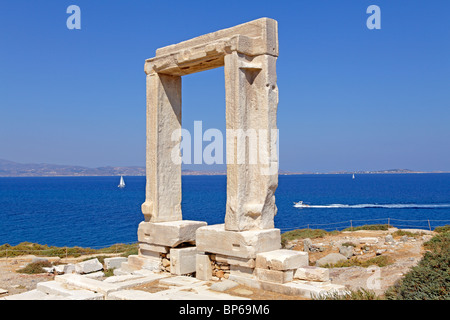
93, 212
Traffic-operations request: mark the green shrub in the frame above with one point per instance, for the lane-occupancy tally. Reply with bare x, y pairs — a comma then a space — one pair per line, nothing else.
35, 267
430, 279
401, 233
369, 227
380, 261
108, 272
304, 233
301, 234
349, 244
359, 294
26, 248
443, 229
438, 242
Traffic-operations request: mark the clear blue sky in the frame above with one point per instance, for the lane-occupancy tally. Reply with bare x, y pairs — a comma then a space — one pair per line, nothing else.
350, 98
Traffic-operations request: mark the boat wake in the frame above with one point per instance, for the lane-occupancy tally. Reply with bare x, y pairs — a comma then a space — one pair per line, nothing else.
372, 205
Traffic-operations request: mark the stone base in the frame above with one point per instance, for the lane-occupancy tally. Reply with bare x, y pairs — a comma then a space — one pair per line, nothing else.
243, 244
305, 289
158, 239
168, 234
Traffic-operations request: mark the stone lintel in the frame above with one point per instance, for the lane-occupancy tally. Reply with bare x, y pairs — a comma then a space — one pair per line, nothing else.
243, 244
170, 234
207, 51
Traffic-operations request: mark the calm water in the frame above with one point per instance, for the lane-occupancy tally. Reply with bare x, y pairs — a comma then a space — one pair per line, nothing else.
92, 211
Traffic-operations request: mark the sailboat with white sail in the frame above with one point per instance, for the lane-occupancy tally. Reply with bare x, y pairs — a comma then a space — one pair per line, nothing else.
121, 183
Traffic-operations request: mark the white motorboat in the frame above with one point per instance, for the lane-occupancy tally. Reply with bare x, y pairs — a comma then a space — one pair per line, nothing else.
300, 204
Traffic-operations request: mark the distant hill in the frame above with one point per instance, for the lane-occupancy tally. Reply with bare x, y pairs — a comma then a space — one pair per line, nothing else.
15, 169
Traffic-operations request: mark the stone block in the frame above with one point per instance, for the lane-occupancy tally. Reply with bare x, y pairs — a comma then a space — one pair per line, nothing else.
257, 37
125, 268
203, 269
34, 295
183, 260
277, 276
181, 281
115, 262
69, 268
144, 247
149, 254
241, 271
244, 244
171, 233
130, 295
224, 285
282, 259
58, 289
249, 281
243, 262
303, 288
143, 262
95, 275
76, 281
88, 266
121, 278
121, 285
311, 273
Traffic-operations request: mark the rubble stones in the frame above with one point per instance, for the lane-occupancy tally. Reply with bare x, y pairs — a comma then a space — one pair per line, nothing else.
114, 263
346, 251
88, 266
389, 239
281, 259
307, 245
330, 259
311, 273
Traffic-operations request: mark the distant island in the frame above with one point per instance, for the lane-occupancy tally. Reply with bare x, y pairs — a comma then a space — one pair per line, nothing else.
15, 169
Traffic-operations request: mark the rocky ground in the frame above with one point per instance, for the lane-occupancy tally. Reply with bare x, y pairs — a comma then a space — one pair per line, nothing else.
403, 251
